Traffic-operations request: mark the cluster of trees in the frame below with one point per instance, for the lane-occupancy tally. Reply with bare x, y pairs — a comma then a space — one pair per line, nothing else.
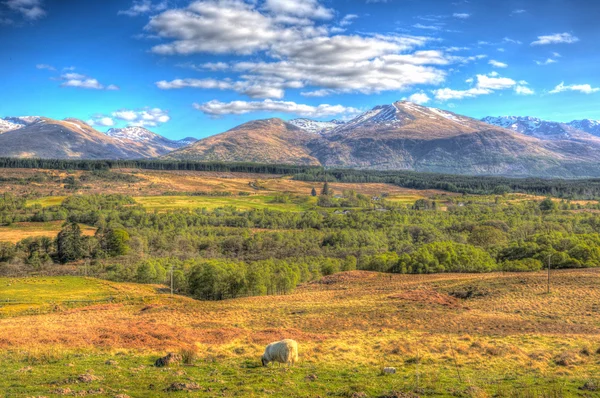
228, 252
480, 185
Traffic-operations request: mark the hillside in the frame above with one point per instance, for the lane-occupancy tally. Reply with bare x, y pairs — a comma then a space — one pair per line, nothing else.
154, 143
263, 141
91, 336
41, 137
403, 136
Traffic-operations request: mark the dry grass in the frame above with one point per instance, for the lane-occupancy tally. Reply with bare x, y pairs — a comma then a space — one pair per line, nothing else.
19, 231
513, 332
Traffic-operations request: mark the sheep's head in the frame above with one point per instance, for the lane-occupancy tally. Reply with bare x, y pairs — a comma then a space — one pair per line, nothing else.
264, 361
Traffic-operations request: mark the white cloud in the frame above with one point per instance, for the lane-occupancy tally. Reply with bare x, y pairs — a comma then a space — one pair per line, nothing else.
99, 120
419, 98
485, 85
582, 88
512, 41
427, 27
461, 15
218, 108
546, 62
30, 9
523, 90
293, 53
146, 117
143, 7
497, 64
82, 81
45, 66
518, 11
310, 9
348, 19
555, 39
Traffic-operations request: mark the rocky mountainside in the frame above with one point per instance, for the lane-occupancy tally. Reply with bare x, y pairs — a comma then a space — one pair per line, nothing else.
35, 136
539, 128
404, 135
67, 139
263, 141
587, 125
156, 143
314, 126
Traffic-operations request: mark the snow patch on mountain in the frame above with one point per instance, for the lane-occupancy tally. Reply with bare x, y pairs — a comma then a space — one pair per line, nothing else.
535, 127
5, 126
315, 126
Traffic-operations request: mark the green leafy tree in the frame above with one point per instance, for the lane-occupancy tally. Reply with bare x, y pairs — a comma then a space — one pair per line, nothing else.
547, 205
70, 243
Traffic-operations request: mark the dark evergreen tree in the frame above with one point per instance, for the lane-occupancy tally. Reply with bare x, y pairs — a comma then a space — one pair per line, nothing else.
70, 243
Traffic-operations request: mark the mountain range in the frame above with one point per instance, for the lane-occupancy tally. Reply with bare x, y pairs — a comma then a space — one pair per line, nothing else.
406, 136
398, 136
41, 137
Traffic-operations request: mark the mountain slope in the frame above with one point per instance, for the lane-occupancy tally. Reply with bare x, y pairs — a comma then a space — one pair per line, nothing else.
315, 127
589, 126
154, 143
67, 139
5, 126
539, 128
264, 141
407, 136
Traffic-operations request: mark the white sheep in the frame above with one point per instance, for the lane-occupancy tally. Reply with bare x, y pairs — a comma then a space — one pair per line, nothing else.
284, 351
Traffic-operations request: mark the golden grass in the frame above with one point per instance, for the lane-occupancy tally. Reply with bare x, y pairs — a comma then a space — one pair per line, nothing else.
18, 231
356, 320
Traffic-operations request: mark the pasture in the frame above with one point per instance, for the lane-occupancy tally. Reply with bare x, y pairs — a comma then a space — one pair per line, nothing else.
467, 335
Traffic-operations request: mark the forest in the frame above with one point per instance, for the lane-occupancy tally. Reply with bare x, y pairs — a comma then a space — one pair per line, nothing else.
226, 252
480, 185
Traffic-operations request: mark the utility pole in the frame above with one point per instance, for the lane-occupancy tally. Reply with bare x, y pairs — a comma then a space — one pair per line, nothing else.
548, 289
171, 281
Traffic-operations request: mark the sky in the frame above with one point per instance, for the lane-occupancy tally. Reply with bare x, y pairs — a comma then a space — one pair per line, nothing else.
198, 68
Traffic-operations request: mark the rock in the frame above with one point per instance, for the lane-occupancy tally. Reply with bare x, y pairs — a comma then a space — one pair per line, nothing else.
167, 360
111, 362
311, 377
183, 387
388, 370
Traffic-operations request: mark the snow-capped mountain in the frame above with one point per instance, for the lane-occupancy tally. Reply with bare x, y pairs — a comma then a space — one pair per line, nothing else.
315, 126
161, 144
22, 120
539, 128
399, 114
587, 125
5, 126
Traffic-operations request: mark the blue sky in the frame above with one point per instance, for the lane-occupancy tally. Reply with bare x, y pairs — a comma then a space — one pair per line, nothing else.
197, 68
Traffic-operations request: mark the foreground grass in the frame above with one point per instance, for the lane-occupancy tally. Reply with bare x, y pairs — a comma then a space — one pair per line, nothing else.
510, 339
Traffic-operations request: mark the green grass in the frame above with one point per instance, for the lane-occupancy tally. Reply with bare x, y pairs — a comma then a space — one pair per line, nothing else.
46, 372
33, 295
164, 203
47, 201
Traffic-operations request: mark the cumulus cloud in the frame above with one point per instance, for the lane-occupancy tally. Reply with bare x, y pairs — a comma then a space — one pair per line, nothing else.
582, 88
555, 39
100, 120
497, 64
523, 90
143, 7
218, 108
296, 51
419, 98
485, 85
144, 117
29, 9
461, 15
78, 80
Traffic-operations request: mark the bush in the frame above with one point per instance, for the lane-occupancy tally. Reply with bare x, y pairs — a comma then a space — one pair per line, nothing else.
524, 265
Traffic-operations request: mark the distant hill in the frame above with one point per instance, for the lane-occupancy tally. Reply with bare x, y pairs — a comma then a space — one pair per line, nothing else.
40, 137
402, 136
262, 141
155, 144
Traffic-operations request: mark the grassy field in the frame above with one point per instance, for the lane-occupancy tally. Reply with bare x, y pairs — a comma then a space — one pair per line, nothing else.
163, 203
509, 339
15, 232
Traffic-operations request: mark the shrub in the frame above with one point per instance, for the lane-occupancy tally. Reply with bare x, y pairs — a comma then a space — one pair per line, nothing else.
524, 265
